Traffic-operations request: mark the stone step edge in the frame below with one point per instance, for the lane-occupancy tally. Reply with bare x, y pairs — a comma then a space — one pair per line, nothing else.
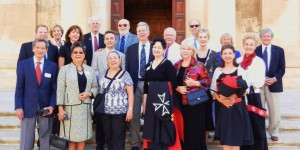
283, 116
127, 143
281, 129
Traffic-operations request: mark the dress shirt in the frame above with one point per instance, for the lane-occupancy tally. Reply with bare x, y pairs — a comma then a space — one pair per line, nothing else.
92, 38
174, 53
147, 51
120, 39
41, 65
192, 39
269, 53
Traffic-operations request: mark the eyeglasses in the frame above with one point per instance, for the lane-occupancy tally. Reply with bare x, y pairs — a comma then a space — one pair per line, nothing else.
77, 52
124, 25
196, 25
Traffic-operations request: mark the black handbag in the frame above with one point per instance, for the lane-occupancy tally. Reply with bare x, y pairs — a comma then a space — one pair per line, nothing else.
197, 97
98, 105
59, 142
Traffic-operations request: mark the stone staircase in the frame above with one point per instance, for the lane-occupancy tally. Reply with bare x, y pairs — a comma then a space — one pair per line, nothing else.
289, 136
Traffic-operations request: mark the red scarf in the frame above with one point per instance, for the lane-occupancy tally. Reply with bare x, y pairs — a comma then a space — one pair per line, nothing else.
247, 60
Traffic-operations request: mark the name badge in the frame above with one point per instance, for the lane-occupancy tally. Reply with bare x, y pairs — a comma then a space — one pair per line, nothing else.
87, 73
47, 75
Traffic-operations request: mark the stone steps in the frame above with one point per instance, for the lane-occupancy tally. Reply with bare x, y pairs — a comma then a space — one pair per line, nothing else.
286, 138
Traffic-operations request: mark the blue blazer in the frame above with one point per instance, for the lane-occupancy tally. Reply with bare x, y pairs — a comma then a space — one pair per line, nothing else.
26, 52
30, 96
131, 39
132, 61
89, 46
276, 67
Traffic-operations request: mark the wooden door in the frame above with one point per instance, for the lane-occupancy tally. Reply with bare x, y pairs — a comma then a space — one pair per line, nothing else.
159, 14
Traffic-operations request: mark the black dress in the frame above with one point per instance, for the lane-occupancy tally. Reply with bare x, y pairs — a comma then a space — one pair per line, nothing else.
233, 125
65, 52
163, 72
193, 120
209, 125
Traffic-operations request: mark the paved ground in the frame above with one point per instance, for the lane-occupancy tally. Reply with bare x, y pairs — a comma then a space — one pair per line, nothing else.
290, 127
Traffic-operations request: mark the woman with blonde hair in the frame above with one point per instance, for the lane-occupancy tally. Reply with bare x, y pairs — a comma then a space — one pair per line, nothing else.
191, 76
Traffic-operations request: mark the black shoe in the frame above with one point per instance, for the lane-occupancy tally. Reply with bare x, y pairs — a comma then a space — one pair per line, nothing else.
135, 148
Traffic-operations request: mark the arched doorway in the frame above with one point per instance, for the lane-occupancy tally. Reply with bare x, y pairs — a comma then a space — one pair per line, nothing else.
157, 13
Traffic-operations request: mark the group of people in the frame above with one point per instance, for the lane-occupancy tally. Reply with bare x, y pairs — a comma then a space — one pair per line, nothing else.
150, 79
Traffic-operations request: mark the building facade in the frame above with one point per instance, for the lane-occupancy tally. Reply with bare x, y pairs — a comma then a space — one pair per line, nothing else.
238, 17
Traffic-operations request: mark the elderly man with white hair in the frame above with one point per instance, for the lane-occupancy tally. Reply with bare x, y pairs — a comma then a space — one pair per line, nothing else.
94, 39
172, 51
125, 39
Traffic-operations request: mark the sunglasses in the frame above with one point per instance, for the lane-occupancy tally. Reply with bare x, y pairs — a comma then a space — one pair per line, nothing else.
124, 25
196, 25
77, 52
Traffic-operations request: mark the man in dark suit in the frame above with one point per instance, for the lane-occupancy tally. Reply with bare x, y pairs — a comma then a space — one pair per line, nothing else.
35, 96
125, 38
41, 31
137, 56
274, 59
94, 39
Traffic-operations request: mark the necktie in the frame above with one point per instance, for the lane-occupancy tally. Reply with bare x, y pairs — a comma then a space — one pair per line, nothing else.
265, 58
195, 43
38, 72
122, 44
167, 52
143, 62
95, 44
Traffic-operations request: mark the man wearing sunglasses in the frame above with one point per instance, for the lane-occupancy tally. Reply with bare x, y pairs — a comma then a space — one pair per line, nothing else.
125, 38
195, 26
94, 39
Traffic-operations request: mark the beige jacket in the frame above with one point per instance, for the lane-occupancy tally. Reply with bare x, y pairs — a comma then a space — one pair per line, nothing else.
67, 84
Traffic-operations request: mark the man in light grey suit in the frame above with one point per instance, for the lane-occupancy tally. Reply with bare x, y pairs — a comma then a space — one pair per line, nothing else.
125, 39
99, 62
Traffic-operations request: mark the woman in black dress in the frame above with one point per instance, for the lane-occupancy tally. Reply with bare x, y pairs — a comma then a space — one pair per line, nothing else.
191, 76
210, 60
233, 127
158, 71
73, 35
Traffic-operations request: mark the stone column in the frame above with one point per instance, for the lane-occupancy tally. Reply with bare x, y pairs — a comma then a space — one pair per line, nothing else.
17, 24
75, 12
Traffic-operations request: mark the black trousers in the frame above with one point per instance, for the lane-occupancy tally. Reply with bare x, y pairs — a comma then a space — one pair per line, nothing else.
100, 137
114, 127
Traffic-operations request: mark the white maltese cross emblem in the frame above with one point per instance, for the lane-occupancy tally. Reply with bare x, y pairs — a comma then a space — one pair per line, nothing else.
162, 105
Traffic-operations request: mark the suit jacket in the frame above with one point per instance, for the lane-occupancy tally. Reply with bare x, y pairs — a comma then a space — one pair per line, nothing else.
131, 39
30, 96
67, 85
132, 61
276, 67
89, 46
26, 52
99, 62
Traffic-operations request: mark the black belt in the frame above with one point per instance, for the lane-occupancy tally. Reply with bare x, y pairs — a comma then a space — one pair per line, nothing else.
141, 79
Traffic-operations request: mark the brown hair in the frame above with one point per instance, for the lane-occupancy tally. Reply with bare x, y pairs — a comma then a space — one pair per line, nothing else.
40, 25
74, 27
229, 46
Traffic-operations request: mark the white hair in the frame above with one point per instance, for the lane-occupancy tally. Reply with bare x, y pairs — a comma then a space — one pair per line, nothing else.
94, 18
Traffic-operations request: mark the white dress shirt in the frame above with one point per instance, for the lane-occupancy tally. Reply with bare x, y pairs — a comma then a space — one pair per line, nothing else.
97, 36
147, 52
269, 53
174, 53
41, 65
